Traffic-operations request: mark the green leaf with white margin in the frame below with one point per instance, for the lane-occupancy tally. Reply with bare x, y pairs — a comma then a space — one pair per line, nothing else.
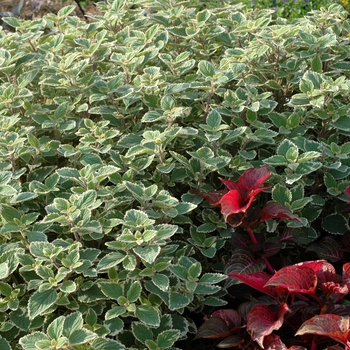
106, 344
81, 336
4, 270
4, 344
148, 253
86, 199
39, 302
136, 218
335, 224
148, 315
55, 329
281, 194
24, 196
206, 68
178, 300
110, 260
161, 281
141, 332
134, 291
284, 147
8, 213
28, 341
212, 278
167, 338
73, 322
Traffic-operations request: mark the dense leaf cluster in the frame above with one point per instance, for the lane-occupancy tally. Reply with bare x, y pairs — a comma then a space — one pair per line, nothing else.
110, 129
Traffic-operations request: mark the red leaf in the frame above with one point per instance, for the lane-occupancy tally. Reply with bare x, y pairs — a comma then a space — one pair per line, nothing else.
294, 279
233, 203
256, 280
230, 316
324, 271
254, 177
274, 342
346, 274
330, 325
274, 210
347, 192
261, 321
212, 197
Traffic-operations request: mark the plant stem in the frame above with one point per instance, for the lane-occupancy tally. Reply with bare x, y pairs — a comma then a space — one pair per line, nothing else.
252, 236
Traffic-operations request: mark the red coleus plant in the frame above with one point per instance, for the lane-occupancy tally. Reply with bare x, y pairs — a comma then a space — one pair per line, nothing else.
238, 197
303, 297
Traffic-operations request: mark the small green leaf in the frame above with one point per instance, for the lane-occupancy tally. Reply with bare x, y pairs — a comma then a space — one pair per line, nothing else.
39, 302
206, 68
134, 291
55, 329
178, 300
148, 315
141, 332
335, 224
161, 281
148, 253
281, 194
167, 338
81, 336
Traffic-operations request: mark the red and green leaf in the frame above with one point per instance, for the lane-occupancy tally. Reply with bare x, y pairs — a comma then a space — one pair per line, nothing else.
274, 210
329, 325
262, 321
294, 279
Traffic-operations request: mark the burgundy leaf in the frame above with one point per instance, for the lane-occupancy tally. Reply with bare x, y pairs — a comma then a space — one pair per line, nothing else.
239, 240
230, 316
256, 280
274, 210
214, 327
335, 289
330, 325
345, 241
327, 248
261, 321
324, 271
212, 197
253, 178
346, 274
347, 192
294, 279
231, 342
274, 342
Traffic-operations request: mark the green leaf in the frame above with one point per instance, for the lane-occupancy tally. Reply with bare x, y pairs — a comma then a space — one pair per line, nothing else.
285, 146
4, 344
86, 200
206, 68
81, 336
55, 328
316, 64
110, 260
111, 289
281, 194
106, 344
335, 224
39, 302
141, 332
28, 341
161, 281
24, 196
178, 300
167, 338
212, 278
148, 253
134, 291
148, 315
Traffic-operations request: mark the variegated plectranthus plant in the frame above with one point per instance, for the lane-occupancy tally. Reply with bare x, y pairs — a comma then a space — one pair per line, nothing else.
112, 131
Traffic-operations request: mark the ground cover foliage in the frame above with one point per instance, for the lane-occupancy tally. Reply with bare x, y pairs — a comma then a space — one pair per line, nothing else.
111, 134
